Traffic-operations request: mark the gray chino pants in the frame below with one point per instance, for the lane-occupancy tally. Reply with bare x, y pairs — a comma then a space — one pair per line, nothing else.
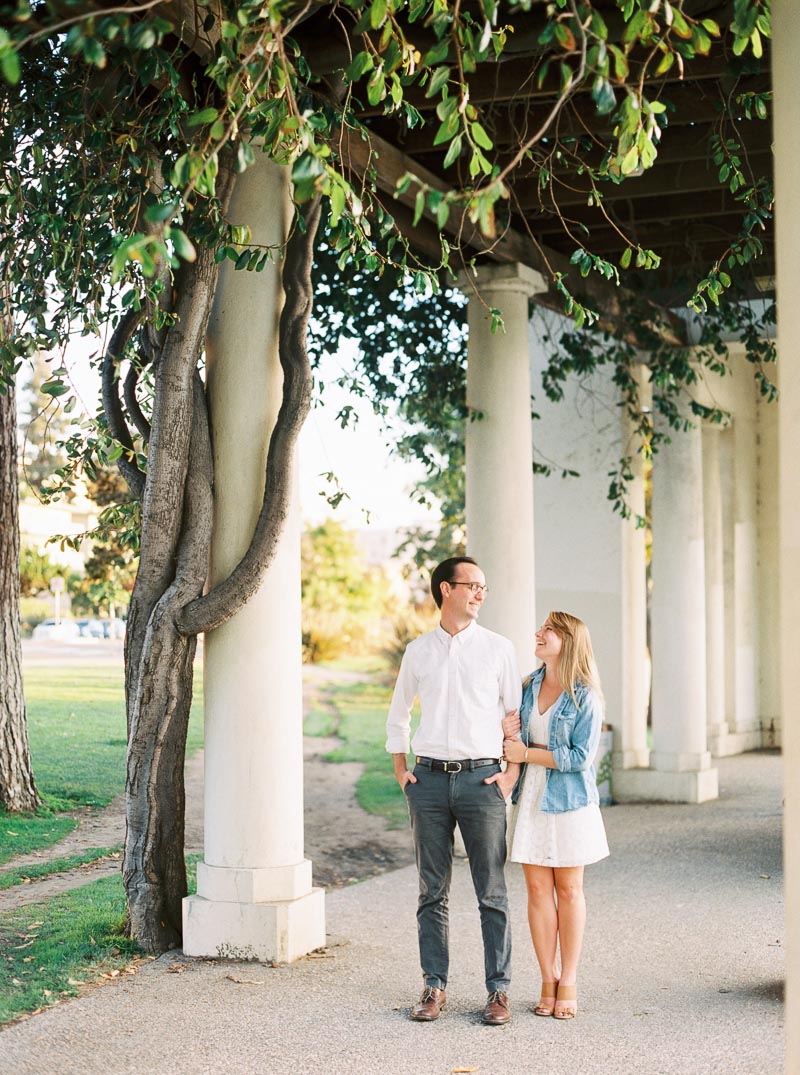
435, 803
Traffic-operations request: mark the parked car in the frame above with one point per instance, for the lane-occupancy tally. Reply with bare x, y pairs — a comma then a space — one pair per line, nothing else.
113, 628
91, 628
49, 630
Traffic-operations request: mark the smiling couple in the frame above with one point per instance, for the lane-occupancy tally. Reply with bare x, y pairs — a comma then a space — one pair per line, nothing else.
476, 714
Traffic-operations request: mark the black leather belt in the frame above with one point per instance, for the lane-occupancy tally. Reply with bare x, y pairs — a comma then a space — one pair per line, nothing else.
456, 766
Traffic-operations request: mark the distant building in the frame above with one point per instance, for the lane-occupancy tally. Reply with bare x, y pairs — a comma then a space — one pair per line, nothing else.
39, 522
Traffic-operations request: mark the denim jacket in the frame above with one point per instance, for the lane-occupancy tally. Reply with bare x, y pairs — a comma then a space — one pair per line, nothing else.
574, 737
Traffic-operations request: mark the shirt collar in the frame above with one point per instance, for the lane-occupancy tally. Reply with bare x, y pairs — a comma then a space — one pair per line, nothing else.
461, 638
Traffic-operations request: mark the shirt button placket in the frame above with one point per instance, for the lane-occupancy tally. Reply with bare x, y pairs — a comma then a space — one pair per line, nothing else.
453, 710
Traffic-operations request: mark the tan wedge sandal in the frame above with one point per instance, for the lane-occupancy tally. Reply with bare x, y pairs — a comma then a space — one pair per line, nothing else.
546, 1004
566, 1006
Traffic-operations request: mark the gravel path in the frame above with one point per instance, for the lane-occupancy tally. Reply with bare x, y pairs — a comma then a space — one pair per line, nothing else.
682, 973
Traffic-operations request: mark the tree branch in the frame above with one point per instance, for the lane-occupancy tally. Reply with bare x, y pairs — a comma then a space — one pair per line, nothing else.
132, 403
229, 596
128, 467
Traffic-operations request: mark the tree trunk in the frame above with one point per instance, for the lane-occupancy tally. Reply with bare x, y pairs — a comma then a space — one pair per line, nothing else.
177, 512
17, 789
158, 658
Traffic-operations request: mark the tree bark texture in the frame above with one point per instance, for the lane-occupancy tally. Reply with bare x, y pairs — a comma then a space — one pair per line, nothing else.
17, 788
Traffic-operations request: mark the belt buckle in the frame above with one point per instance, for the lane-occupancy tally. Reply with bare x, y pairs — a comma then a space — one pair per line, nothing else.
453, 766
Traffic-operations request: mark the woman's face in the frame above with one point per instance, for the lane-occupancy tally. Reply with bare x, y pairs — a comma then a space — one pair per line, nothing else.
548, 642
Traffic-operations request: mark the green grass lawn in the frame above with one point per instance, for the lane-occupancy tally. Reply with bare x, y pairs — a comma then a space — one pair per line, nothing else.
49, 949
362, 711
16, 876
76, 723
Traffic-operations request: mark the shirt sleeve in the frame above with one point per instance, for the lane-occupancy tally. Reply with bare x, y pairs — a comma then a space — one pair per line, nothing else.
510, 681
398, 723
580, 752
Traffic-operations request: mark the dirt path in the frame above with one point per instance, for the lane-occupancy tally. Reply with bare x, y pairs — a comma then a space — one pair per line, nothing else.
344, 842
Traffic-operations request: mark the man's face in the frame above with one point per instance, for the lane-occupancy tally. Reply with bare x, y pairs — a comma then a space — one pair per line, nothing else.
457, 597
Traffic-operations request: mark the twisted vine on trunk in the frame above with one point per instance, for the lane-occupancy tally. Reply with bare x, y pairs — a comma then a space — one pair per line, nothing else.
17, 787
167, 610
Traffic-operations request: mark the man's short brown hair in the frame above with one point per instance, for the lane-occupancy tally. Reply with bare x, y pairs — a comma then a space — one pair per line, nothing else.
443, 572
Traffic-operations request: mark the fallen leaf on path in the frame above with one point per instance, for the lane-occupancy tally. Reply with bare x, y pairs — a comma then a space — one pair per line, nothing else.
462, 1071
177, 968
244, 981
74, 981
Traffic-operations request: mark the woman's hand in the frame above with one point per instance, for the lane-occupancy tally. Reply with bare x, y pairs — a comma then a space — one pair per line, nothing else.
511, 724
513, 749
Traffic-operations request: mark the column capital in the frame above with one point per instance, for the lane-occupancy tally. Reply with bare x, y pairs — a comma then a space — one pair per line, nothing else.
509, 276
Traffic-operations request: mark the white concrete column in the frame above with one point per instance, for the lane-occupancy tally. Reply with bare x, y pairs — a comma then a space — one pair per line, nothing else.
786, 88
254, 893
769, 576
499, 451
590, 561
715, 593
630, 734
745, 729
680, 764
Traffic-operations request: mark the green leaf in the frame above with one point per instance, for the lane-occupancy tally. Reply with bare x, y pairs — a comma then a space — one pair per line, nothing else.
481, 137
183, 245
207, 115
361, 63
9, 60
438, 80
453, 151
376, 88
155, 214
377, 13
240, 234
448, 129
625, 260
55, 388
630, 162
338, 200
419, 206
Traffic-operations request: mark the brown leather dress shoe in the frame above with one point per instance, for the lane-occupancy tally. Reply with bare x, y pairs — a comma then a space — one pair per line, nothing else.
430, 1005
497, 1010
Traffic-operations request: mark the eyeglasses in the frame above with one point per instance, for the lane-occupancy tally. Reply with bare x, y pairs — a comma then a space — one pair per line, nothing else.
476, 587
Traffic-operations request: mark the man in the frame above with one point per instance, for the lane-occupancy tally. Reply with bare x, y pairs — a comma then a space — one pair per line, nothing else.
467, 680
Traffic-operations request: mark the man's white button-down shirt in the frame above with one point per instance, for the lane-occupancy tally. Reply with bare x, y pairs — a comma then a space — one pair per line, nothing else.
466, 684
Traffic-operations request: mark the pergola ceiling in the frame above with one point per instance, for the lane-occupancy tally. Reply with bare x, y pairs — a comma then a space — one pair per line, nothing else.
678, 208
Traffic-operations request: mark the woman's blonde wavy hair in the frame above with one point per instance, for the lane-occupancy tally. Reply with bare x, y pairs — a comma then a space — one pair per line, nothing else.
576, 663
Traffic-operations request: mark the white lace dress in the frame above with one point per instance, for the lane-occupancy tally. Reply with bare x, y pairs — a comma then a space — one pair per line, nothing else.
574, 838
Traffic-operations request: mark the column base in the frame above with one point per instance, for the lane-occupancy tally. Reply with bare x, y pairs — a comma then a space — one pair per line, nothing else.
654, 785
276, 932
735, 742
630, 759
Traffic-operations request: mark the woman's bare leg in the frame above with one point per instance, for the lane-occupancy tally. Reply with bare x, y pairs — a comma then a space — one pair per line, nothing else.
571, 924
543, 918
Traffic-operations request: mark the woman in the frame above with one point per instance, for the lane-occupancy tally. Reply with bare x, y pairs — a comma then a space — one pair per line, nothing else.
559, 828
